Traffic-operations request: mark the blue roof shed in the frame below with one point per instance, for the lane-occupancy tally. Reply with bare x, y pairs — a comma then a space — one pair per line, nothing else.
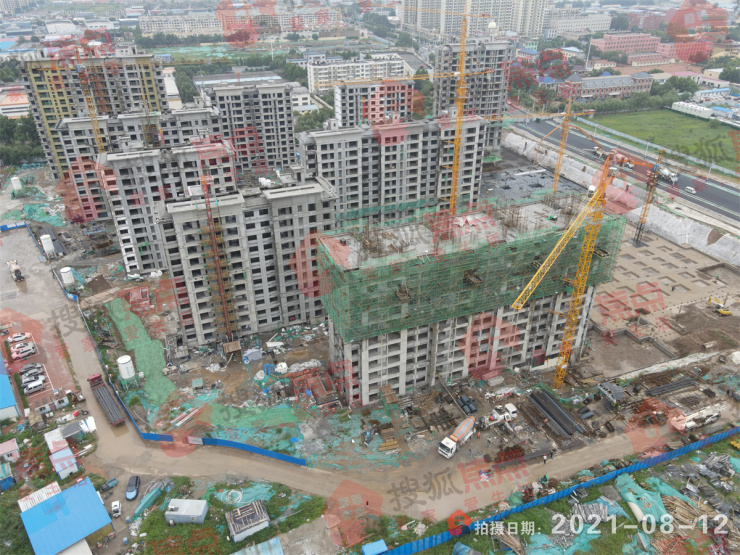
6, 476
375, 548
8, 406
65, 518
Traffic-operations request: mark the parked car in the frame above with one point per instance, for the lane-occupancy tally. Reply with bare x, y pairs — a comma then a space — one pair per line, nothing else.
115, 509
28, 378
23, 353
18, 346
33, 387
30, 367
16, 337
132, 489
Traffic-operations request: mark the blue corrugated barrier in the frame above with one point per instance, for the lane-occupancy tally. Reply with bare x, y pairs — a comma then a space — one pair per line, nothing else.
206, 440
253, 449
8, 227
432, 541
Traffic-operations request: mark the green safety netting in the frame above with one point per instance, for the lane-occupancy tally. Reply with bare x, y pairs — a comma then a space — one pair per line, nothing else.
35, 212
666, 489
649, 502
148, 353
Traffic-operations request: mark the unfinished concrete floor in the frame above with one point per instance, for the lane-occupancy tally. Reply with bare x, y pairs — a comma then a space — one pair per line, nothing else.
611, 357
669, 286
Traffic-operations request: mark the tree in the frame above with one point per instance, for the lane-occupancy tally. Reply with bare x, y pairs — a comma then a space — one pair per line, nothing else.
404, 40
682, 84
293, 37
432, 58
655, 70
313, 120
731, 75
315, 36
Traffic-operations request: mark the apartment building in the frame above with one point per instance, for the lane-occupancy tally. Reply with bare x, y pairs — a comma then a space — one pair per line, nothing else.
259, 231
440, 18
390, 170
123, 81
559, 26
181, 25
258, 121
627, 43
323, 76
145, 179
128, 131
307, 19
373, 103
599, 88
693, 51
410, 304
486, 95
14, 6
646, 21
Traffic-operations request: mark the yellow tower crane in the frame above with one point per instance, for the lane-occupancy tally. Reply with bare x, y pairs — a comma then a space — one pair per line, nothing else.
593, 214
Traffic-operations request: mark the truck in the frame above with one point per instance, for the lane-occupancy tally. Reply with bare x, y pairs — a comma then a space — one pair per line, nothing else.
497, 416
107, 400
15, 270
667, 174
451, 445
687, 423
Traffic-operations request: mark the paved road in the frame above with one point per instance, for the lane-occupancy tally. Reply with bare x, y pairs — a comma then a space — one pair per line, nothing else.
713, 196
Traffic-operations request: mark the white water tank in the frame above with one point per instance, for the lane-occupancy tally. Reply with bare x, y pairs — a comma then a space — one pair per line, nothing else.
16, 183
48, 245
67, 277
126, 367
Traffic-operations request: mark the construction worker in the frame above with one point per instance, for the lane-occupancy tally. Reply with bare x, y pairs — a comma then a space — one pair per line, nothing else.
544, 457
478, 434
489, 441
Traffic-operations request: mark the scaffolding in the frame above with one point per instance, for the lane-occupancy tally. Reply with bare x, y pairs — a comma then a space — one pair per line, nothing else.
387, 277
217, 269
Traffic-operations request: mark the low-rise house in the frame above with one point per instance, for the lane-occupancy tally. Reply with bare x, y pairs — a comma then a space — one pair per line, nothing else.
247, 520
186, 511
6, 476
9, 450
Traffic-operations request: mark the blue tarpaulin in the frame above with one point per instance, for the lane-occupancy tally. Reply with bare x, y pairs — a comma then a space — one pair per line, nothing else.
375, 548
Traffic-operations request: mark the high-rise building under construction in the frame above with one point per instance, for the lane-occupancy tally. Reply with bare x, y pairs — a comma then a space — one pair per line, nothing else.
428, 298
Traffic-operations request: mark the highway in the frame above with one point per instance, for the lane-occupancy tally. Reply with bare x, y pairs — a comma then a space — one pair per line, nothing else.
712, 196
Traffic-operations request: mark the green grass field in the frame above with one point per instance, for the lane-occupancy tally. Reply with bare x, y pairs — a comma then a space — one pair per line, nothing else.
678, 132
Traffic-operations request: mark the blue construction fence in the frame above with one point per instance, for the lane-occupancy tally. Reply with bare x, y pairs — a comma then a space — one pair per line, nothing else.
253, 449
167, 438
433, 541
17, 225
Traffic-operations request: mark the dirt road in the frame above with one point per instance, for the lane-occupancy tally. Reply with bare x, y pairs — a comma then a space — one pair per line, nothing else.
434, 487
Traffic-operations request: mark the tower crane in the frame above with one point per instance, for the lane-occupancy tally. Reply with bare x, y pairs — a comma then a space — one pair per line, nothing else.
592, 214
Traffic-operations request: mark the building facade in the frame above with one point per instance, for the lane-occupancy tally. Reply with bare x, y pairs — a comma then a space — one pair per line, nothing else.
264, 238
181, 25
373, 103
122, 82
390, 170
627, 43
486, 92
411, 303
559, 26
600, 88
323, 76
258, 122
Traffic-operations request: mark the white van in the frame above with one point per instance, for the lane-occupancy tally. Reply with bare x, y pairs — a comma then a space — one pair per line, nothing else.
511, 409
691, 190
33, 387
